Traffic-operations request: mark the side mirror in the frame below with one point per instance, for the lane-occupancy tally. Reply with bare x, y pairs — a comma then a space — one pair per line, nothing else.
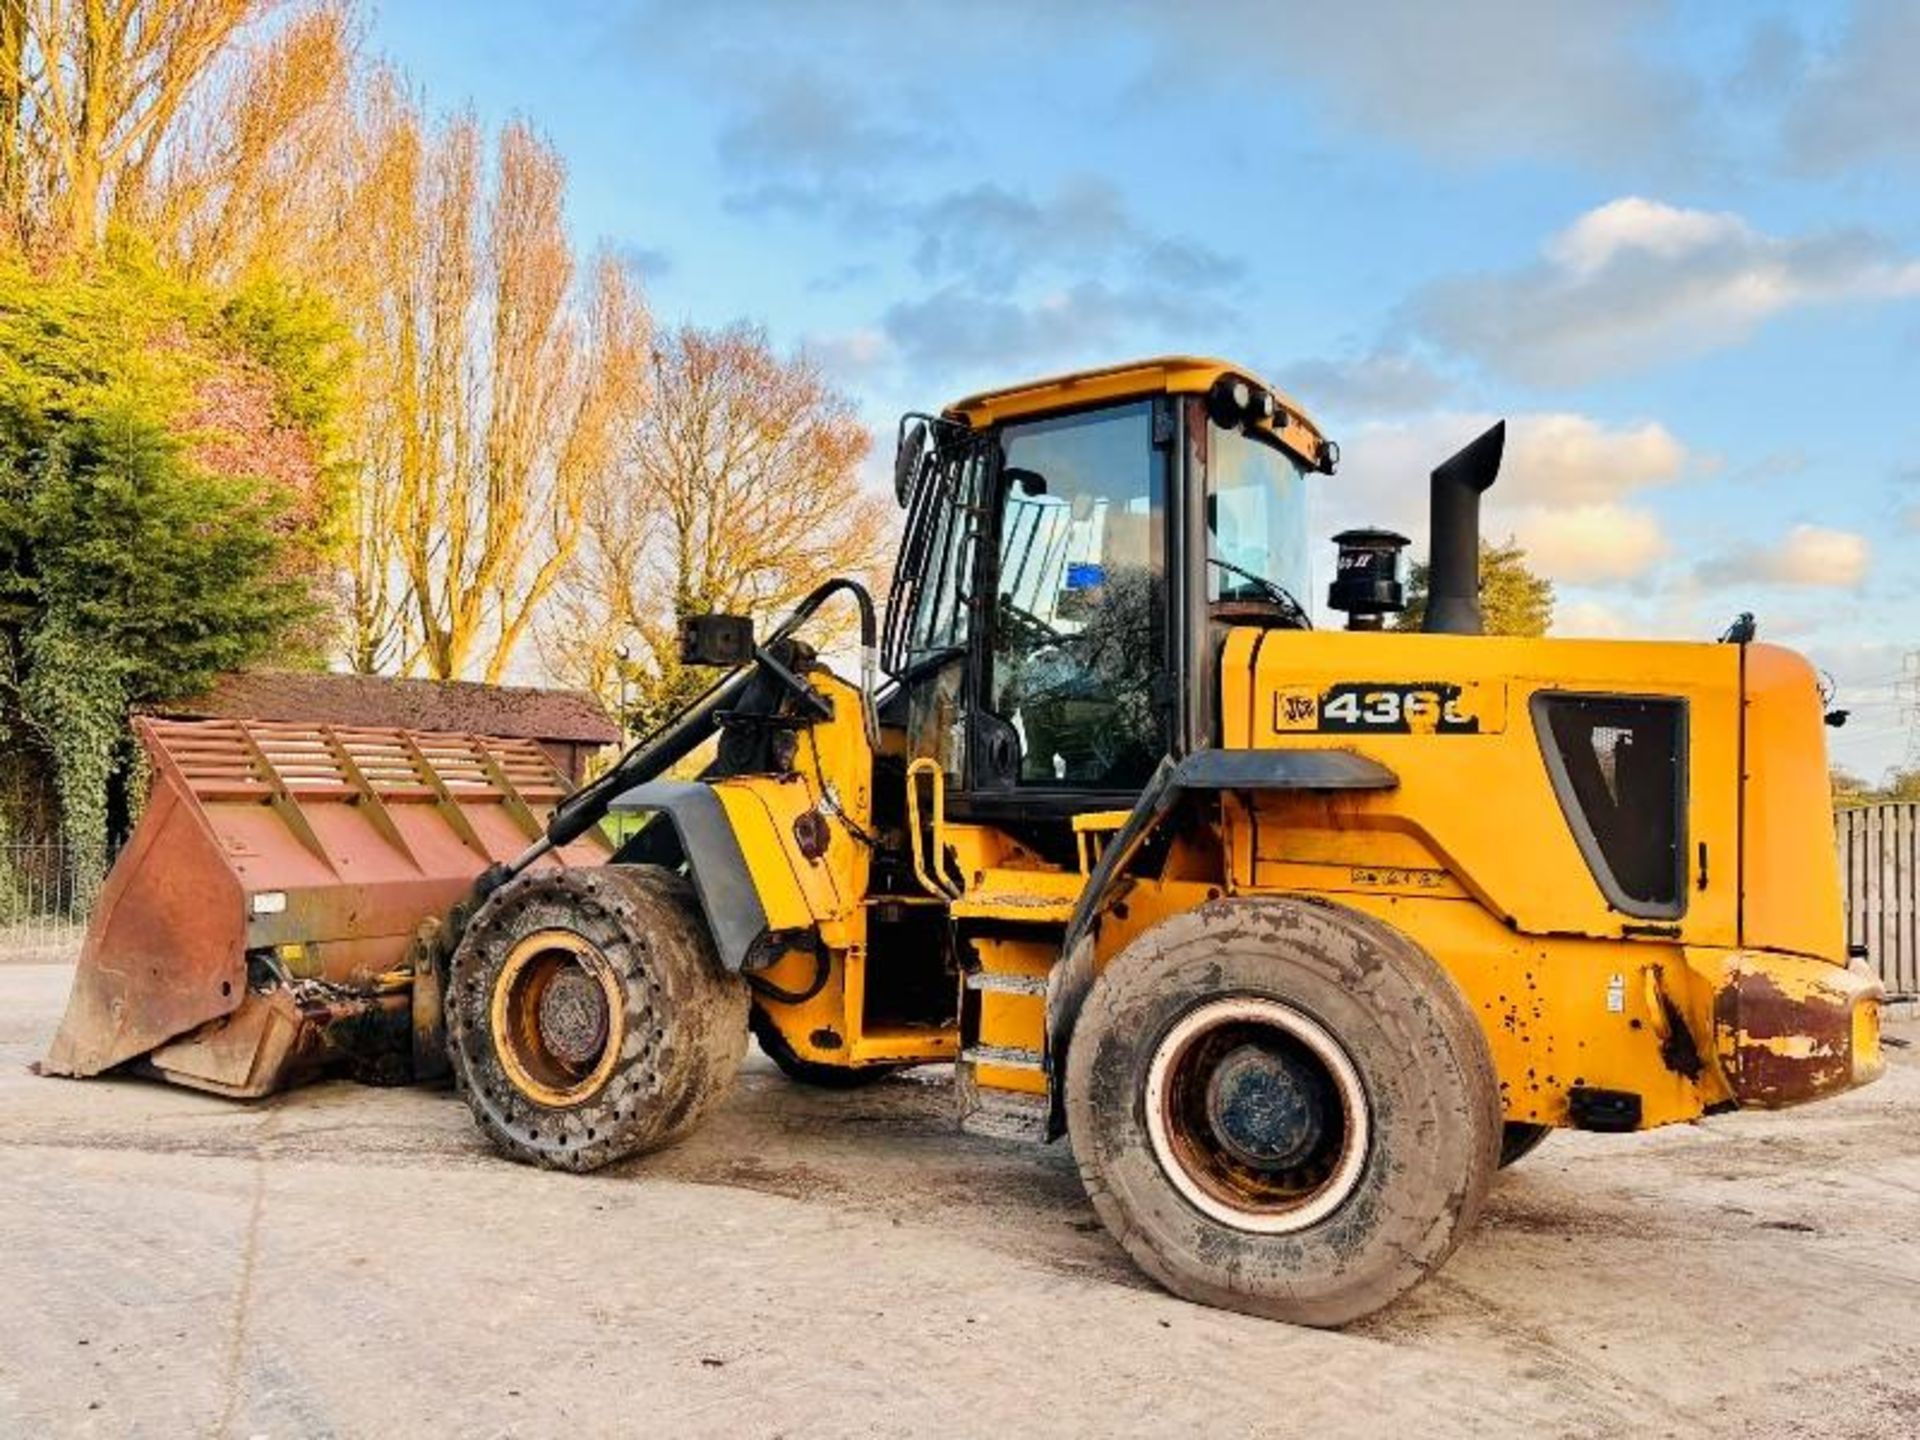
906, 460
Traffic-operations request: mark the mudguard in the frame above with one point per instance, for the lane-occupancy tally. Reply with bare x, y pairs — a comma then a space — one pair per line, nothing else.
731, 903
1203, 771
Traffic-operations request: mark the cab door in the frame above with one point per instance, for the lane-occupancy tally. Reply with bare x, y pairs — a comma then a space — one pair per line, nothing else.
1071, 658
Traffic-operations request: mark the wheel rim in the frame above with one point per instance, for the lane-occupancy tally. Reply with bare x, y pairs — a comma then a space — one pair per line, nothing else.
557, 1018
1257, 1115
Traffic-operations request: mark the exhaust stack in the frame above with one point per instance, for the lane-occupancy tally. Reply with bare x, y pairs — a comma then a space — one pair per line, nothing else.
1453, 574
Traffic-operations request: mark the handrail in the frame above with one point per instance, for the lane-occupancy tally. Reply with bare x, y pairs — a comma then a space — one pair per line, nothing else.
929, 881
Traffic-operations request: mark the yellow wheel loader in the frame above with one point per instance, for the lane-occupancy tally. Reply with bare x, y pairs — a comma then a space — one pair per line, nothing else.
1295, 935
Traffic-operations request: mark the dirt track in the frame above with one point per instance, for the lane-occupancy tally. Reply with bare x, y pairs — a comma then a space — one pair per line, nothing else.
354, 1261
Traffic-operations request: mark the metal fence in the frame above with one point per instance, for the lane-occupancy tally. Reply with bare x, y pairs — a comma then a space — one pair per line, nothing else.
44, 899
1880, 866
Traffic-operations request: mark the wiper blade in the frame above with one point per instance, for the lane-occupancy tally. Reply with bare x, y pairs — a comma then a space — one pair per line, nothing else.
1276, 593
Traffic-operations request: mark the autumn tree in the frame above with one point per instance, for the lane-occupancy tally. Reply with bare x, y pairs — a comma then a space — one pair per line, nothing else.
1902, 783
101, 101
258, 172
1849, 790
492, 391
1513, 600
740, 493
169, 397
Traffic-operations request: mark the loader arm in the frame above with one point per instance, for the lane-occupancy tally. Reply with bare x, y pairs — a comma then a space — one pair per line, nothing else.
699, 722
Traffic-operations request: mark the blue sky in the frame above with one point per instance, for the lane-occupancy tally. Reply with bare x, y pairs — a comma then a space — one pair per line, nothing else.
1675, 242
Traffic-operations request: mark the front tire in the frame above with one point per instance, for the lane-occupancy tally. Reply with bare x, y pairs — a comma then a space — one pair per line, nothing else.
588, 1016
1282, 1107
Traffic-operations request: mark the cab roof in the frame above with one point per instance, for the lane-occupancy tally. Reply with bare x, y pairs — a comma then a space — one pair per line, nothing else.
1137, 379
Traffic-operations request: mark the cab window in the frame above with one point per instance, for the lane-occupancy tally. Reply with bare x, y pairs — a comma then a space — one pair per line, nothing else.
1077, 667
931, 611
1256, 520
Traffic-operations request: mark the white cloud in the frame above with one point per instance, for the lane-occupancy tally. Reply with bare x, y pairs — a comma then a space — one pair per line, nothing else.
1070, 273
1467, 80
802, 125
1808, 556
1564, 491
1380, 382
993, 236
1589, 619
851, 354
1085, 323
1559, 457
1636, 282
1632, 224
1552, 458
1592, 543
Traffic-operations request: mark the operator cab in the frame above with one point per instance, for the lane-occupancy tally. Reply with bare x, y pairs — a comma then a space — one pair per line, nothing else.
1061, 538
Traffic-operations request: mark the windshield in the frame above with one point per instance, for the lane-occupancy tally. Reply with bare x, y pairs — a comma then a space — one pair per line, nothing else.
1256, 519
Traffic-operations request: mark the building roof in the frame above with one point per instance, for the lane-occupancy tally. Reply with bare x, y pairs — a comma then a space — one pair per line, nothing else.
314, 698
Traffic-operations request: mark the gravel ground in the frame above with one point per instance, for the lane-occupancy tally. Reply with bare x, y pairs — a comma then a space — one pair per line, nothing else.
356, 1262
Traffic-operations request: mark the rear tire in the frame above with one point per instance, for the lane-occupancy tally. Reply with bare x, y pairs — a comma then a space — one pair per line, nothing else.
1282, 1107
588, 1016
810, 1072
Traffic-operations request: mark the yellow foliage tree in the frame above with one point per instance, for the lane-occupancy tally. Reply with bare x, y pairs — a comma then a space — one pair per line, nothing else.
509, 473
490, 395
140, 109
741, 492
261, 168
1513, 599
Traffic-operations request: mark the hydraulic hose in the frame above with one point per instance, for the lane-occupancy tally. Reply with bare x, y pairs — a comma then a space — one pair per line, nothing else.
822, 968
683, 734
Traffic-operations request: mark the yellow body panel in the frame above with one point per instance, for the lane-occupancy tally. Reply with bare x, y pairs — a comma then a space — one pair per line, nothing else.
798, 893
1469, 855
1477, 811
1013, 1019
1790, 879
825, 895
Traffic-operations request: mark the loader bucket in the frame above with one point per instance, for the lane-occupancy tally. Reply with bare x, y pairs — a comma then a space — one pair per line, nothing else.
272, 909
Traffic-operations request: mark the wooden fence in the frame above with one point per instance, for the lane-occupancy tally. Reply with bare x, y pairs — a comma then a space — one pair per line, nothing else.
1880, 867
